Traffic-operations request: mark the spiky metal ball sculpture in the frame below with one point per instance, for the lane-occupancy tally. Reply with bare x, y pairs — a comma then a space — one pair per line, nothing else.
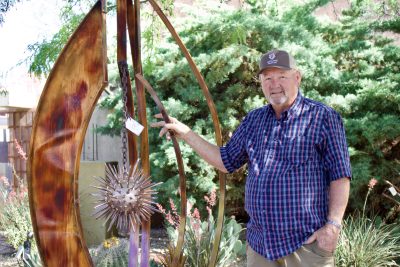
124, 199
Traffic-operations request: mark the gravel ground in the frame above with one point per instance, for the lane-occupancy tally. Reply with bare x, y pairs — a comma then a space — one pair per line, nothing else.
7, 261
5, 250
158, 241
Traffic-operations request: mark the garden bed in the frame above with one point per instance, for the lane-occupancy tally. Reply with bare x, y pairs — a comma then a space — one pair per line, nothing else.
158, 242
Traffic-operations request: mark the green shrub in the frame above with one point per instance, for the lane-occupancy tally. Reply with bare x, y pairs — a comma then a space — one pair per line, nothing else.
199, 242
200, 235
367, 243
15, 220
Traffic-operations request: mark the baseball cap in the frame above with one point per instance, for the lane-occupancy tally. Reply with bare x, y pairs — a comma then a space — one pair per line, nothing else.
277, 59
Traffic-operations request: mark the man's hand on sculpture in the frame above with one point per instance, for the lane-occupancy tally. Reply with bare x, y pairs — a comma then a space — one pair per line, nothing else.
179, 129
326, 237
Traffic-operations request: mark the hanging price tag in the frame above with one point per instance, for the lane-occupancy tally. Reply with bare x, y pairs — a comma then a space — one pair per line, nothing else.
392, 191
134, 126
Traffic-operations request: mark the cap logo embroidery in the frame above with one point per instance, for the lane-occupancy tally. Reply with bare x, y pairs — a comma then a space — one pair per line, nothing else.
271, 56
272, 59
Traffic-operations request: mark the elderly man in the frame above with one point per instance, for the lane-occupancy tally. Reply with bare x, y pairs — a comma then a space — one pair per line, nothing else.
299, 172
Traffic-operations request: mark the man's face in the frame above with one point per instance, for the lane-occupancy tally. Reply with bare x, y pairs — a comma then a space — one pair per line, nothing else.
280, 86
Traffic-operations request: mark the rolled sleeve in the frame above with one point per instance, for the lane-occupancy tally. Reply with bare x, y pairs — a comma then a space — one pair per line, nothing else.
336, 158
234, 154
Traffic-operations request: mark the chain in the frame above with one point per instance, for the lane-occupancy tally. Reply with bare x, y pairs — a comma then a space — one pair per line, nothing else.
124, 74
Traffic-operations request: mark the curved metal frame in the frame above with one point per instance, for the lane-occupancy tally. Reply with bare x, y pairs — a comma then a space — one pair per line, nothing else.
217, 128
182, 178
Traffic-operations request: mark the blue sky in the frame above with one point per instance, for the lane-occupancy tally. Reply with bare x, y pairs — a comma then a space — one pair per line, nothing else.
26, 23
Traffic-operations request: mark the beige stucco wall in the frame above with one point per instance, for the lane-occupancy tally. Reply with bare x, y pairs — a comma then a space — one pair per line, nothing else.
93, 230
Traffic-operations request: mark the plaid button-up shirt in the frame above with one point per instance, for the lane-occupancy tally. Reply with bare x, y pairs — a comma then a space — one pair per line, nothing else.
291, 162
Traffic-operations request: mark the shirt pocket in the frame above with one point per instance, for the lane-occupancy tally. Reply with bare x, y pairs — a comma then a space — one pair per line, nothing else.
299, 151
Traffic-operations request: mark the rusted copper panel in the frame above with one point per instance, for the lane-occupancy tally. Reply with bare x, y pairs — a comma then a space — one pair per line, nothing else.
214, 115
121, 30
63, 113
134, 38
133, 17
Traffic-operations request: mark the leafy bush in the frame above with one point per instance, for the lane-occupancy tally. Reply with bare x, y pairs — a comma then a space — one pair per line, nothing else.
200, 235
367, 243
15, 220
199, 242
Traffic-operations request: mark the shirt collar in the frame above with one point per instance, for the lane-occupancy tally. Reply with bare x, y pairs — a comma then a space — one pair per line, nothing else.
294, 109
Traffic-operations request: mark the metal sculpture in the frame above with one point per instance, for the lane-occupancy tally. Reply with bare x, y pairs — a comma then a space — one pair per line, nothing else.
62, 116
63, 113
125, 200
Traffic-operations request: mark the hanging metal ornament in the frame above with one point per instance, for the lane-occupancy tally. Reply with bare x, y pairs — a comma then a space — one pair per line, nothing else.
125, 200
125, 197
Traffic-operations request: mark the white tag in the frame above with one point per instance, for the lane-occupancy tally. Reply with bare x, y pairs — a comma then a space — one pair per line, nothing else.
134, 126
393, 191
